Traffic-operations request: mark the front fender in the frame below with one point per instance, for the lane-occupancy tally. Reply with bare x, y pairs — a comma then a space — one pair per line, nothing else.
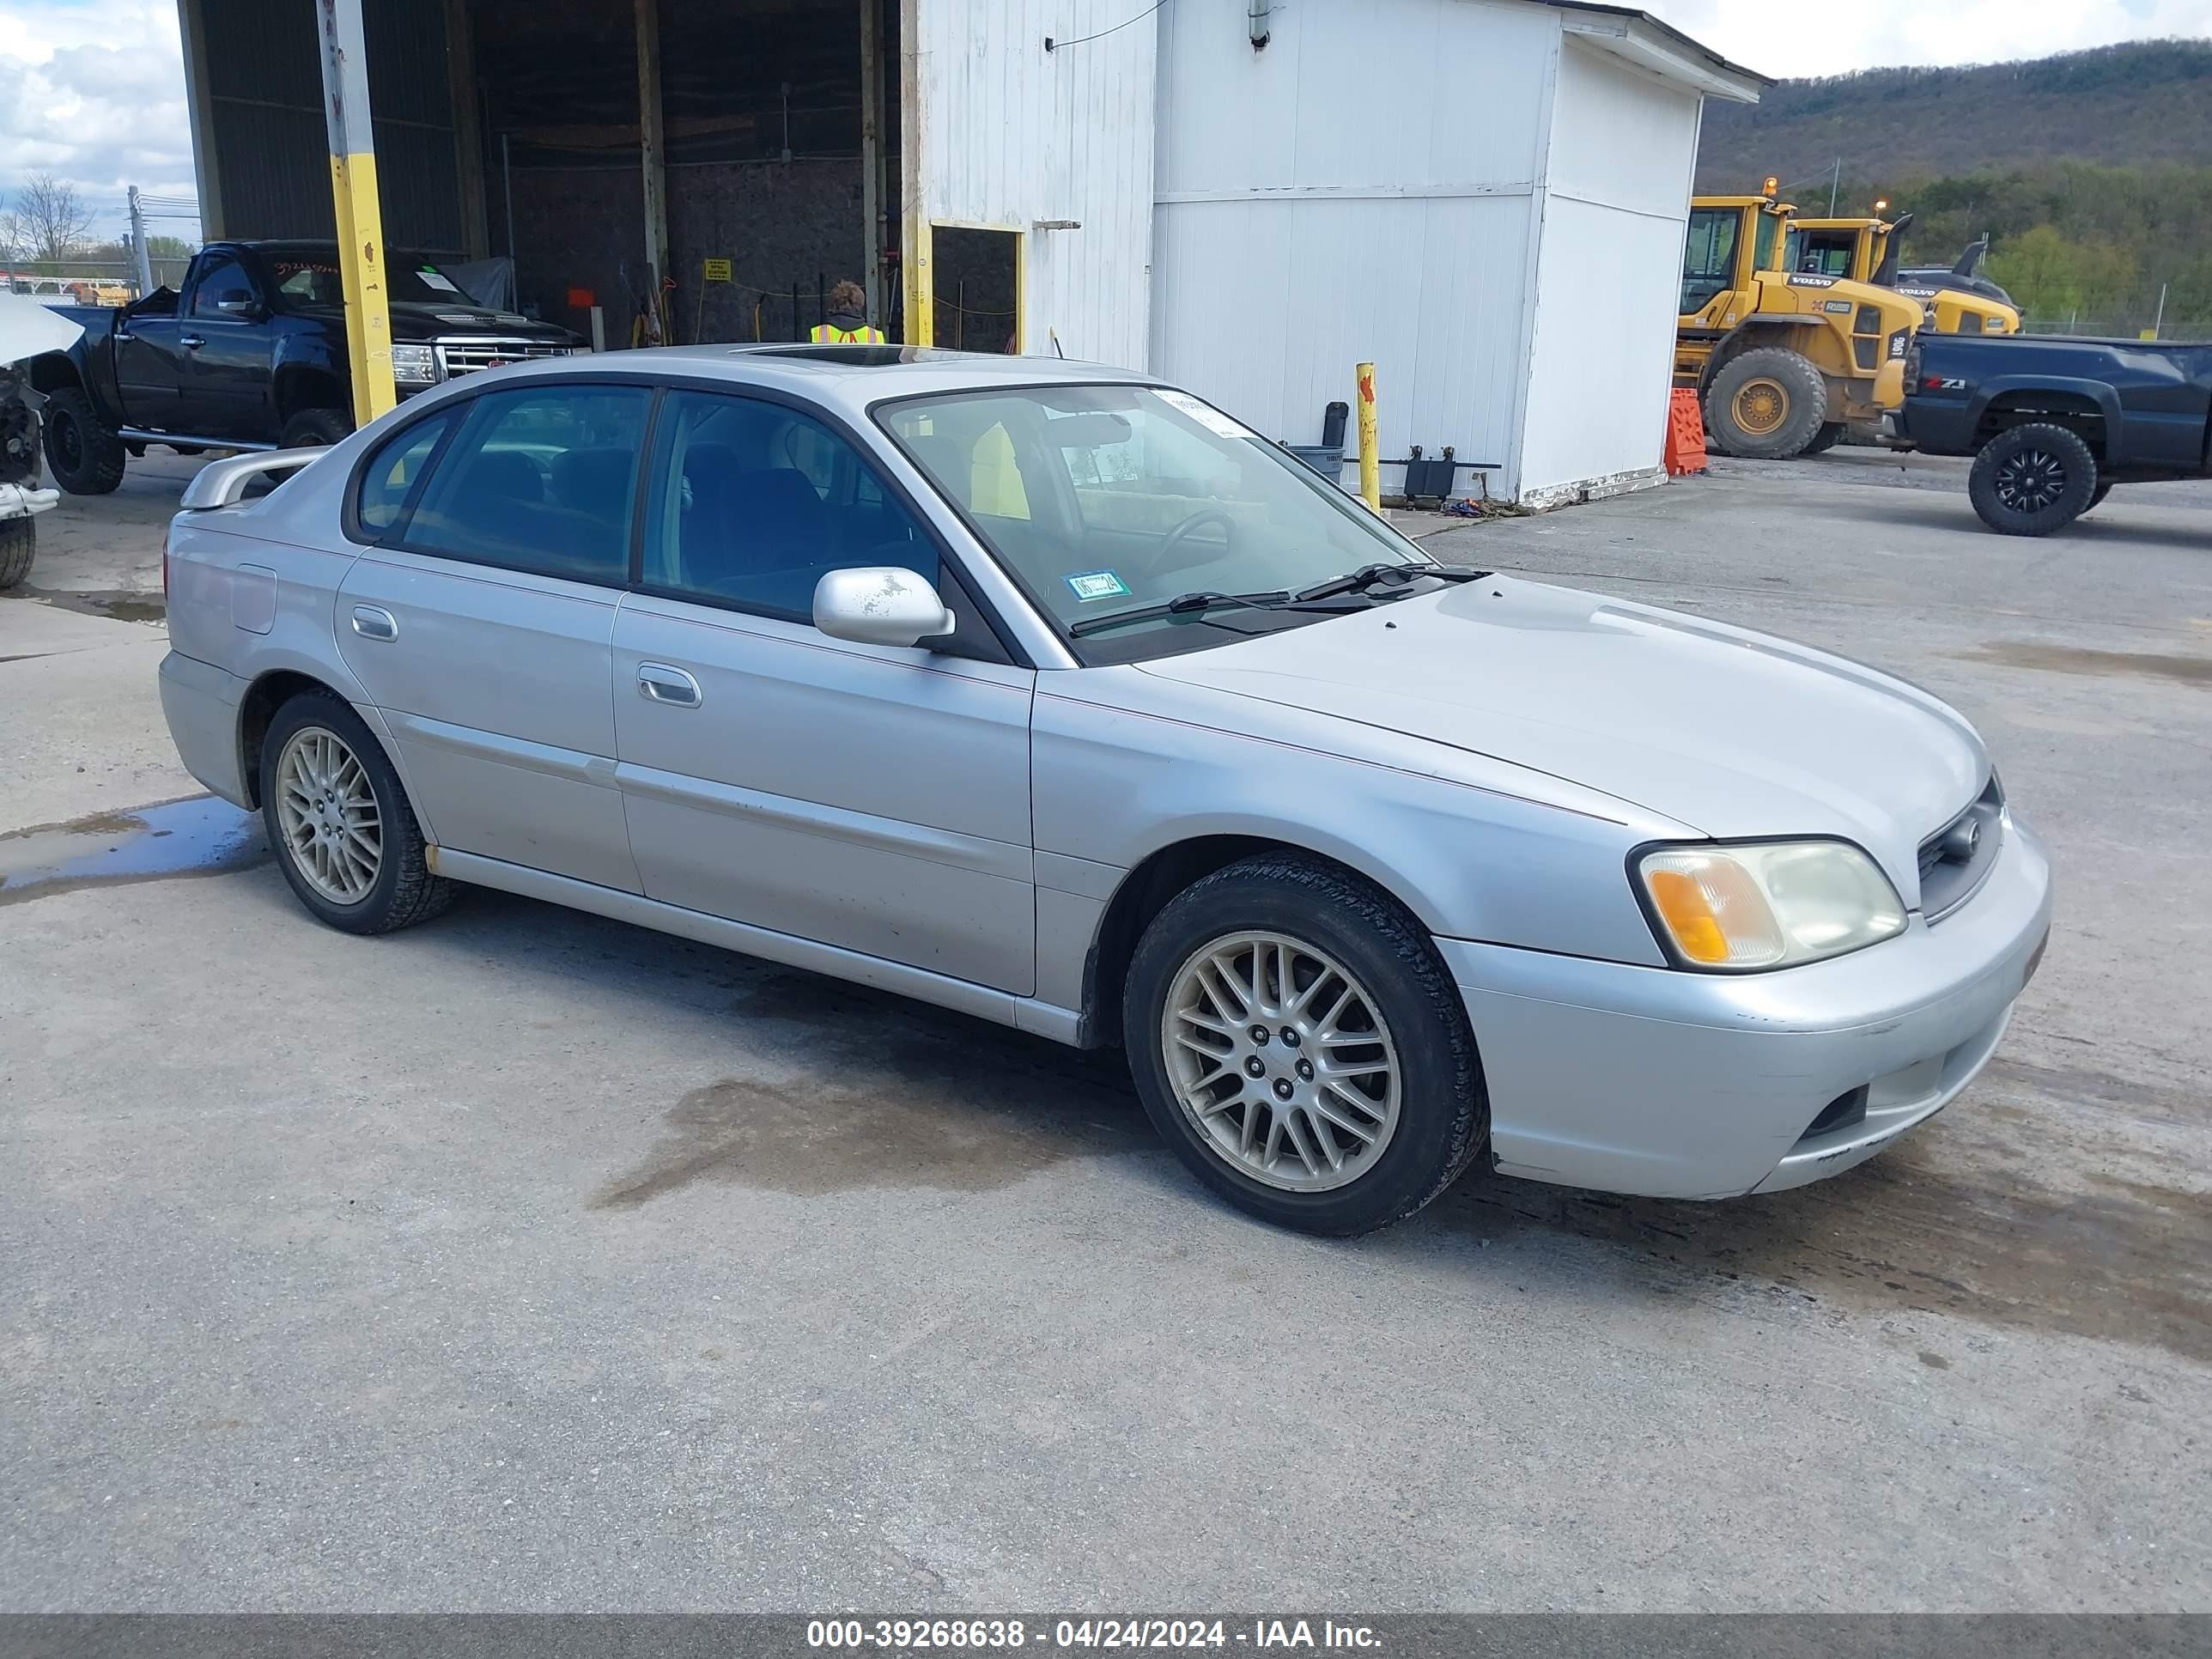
1475, 848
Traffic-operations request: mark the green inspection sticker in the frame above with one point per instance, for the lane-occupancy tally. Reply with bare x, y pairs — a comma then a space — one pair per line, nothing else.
1099, 585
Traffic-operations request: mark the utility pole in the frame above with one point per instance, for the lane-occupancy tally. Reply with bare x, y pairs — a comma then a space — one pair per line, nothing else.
361, 220
1835, 183
2159, 322
138, 246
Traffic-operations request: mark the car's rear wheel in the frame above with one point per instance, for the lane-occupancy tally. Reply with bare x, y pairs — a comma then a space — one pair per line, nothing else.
1296, 1041
345, 835
2031, 480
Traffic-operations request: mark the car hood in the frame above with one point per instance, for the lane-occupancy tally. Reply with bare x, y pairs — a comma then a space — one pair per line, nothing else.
1731, 732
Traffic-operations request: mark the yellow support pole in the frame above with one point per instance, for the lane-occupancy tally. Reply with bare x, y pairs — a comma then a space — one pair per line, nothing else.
920, 285
359, 218
1371, 461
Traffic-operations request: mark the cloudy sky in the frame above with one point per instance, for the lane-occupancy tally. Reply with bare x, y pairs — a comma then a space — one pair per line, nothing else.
93, 90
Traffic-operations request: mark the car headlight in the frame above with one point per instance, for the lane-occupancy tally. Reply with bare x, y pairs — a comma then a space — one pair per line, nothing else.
1766, 905
416, 365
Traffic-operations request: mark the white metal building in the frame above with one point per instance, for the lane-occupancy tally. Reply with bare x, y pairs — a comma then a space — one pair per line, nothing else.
1486, 199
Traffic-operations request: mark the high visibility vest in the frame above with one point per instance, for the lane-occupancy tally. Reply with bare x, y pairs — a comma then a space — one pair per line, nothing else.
825, 334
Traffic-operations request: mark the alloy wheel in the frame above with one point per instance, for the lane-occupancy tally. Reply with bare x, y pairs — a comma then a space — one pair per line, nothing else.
2030, 481
1282, 1060
333, 832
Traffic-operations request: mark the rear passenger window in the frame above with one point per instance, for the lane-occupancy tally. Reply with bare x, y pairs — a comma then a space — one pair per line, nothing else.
397, 468
539, 479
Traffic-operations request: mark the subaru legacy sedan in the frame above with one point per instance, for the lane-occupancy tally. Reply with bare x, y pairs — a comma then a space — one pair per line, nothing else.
1056, 696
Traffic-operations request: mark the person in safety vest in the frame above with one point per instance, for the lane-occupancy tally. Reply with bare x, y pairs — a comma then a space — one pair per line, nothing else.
848, 319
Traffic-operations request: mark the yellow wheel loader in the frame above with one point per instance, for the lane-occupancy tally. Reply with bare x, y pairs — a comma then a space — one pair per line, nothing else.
1956, 301
1784, 362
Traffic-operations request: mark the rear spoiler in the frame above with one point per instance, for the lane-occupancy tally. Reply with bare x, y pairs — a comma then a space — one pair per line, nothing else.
223, 483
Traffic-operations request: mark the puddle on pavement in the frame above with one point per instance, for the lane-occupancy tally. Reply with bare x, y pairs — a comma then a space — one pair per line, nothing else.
1951, 1220
2076, 659
120, 604
199, 837
889, 1095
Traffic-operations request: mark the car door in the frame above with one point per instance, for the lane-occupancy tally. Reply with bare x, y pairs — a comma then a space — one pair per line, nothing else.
872, 797
226, 381
480, 617
150, 356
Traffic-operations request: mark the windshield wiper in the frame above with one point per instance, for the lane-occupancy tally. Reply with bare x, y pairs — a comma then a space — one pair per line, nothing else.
1370, 576
1183, 604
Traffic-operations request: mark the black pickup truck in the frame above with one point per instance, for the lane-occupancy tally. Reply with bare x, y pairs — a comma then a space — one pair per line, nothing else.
250, 354
2054, 423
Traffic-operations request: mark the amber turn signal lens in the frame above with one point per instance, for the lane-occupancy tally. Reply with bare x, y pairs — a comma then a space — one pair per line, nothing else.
1682, 907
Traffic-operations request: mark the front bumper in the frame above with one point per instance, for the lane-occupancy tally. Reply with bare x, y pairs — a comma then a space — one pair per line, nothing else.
1676, 1085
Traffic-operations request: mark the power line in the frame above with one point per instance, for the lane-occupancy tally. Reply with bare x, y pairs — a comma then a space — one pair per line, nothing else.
1050, 45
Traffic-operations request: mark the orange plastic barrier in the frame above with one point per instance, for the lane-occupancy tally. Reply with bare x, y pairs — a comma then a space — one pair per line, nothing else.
1686, 434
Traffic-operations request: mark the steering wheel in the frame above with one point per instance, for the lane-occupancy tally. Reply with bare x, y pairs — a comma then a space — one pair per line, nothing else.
1163, 560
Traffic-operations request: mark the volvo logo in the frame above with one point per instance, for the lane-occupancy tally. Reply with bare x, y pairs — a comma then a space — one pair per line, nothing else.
1960, 840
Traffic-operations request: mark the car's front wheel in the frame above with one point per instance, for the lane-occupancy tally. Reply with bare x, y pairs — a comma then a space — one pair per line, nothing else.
1295, 1038
345, 834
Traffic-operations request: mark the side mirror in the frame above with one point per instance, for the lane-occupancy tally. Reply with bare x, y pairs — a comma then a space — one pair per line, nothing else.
879, 605
247, 311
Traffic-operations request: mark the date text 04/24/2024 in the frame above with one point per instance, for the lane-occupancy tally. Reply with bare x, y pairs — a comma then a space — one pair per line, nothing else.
918, 1635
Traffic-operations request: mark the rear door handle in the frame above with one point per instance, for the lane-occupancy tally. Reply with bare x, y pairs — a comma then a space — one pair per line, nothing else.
661, 684
374, 623
192, 342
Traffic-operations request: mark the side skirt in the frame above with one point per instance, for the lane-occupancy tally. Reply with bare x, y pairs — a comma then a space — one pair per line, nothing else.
1043, 1019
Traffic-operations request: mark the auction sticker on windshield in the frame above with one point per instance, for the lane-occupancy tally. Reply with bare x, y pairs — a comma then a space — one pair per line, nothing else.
1099, 585
1205, 414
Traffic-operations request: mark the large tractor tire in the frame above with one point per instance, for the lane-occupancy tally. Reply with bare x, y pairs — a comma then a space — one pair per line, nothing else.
84, 456
1767, 404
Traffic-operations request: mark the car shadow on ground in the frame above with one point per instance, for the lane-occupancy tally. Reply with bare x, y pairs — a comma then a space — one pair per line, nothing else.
834, 1087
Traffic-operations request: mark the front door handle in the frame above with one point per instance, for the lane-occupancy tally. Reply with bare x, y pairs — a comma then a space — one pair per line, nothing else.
192, 342
661, 684
374, 623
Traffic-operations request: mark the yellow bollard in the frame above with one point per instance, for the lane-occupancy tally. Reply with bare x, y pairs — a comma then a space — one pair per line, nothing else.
1370, 465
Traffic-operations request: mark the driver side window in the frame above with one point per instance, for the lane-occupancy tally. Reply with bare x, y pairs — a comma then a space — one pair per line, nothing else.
751, 502
224, 280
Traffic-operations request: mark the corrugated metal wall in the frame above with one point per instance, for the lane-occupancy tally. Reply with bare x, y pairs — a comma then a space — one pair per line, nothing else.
263, 74
1358, 189
1013, 134
1617, 199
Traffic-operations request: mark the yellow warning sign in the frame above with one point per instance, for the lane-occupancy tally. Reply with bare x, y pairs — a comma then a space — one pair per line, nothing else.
717, 270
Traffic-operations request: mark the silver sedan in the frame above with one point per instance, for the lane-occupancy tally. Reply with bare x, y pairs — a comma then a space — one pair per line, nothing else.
1056, 696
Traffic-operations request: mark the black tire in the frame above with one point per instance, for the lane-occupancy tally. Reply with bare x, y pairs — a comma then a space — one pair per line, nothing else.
1767, 378
403, 891
315, 428
2097, 495
19, 545
2032, 480
83, 453
1444, 1113
1830, 435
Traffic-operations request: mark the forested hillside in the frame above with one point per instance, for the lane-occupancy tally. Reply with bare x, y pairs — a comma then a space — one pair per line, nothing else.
2092, 173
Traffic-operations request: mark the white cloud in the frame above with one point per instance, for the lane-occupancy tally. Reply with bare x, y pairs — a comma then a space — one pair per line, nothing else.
94, 93
1786, 42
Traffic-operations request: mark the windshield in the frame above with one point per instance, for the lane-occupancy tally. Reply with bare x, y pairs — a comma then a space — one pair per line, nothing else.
410, 278
1103, 499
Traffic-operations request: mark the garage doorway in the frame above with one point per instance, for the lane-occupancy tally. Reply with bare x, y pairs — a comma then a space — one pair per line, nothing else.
976, 298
